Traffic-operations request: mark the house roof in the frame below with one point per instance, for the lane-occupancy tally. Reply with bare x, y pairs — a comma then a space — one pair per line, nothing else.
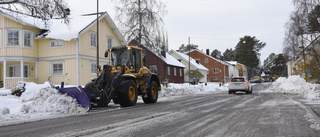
168, 59
59, 30
192, 61
218, 60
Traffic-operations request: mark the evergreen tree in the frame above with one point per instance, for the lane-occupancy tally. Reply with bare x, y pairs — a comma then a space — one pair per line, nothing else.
186, 48
247, 52
229, 55
216, 53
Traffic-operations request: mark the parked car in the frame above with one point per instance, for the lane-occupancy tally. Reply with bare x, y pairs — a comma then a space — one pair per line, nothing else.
255, 81
239, 84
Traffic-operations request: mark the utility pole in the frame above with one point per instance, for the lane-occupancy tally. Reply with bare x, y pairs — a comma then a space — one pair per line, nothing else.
97, 37
189, 57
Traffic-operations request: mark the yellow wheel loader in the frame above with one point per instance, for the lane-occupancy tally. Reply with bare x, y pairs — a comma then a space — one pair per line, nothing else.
124, 79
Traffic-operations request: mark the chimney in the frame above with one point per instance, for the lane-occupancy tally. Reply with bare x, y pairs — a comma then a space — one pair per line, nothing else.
163, 53
208, 52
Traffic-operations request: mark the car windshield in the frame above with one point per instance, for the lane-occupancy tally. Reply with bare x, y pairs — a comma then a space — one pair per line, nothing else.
237, 80
120, 57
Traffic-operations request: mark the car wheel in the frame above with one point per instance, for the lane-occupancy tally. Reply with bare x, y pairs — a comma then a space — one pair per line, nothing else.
230, 92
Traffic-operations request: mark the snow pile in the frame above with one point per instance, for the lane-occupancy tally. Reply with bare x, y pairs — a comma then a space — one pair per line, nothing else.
186, 89
296, 85
38, 101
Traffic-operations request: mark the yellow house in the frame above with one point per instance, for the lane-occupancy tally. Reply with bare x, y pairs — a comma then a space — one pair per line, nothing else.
243, 70
33, 52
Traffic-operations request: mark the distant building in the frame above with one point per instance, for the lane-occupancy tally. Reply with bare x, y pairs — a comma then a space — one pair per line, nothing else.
164, 65
218, 69
184, 59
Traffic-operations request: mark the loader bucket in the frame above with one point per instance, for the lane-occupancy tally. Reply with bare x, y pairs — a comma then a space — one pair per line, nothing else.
78, 93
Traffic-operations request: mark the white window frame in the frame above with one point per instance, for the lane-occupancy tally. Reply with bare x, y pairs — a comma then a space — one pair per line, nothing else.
31, 38
19, 38
92, 33
215, 70
206, 60
51, 68
112, 42
175, 71
52, 43
180, 72
216, 78
93, 68
168, 68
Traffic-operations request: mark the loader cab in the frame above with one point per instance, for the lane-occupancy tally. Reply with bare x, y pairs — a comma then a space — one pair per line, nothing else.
126, 56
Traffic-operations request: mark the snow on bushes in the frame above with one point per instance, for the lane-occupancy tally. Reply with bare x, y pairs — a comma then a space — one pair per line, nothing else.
296, 85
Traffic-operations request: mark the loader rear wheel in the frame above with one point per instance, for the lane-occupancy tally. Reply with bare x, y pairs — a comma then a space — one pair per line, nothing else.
127, 93
152, 94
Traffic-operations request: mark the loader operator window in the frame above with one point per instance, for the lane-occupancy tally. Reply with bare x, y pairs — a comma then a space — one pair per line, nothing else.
120, 57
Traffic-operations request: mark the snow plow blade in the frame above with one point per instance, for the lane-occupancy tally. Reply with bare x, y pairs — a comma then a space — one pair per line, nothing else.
78, 93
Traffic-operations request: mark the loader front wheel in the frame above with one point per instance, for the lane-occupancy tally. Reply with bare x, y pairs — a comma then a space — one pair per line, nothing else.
127, 93
152, 94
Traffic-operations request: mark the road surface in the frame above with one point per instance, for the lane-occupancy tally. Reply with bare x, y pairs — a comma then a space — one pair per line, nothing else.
218, 114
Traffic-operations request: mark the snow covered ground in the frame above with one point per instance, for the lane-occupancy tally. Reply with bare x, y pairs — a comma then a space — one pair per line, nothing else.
41, 102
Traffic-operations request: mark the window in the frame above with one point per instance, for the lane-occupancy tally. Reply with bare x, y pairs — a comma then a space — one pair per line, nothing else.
153, 69
93, 39
198, 61
26, 71
179, 60
56, 68
15, 71
110, 42
13, 38
206, 61
215, 70
175, 71
27, 38
180, 72
216, 78
168, 70
11, 71
93, 68
56, 43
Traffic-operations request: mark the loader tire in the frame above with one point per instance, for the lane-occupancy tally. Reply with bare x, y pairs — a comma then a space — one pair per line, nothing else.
152, 94
128, 93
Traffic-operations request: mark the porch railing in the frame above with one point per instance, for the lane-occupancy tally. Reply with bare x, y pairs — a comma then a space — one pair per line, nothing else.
12, 82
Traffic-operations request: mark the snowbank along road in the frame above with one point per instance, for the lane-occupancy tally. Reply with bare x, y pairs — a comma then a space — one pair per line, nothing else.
215, 114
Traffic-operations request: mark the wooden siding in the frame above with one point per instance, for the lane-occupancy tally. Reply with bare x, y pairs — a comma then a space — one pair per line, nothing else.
7, 23
69, 69
69, 48
104, 31
86, 70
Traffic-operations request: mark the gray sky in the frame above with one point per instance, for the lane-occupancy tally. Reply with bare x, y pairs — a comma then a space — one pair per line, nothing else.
218, 24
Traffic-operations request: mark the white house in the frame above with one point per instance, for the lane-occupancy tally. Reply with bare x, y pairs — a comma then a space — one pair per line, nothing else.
233, 68
184, 59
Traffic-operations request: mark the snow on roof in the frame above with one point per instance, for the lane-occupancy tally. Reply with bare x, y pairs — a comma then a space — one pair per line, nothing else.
172, 61
168, 59
59, 30
192, 61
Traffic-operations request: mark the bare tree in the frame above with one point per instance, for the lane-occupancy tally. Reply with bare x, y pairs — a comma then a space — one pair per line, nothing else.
141, 19
43, 9
302, 31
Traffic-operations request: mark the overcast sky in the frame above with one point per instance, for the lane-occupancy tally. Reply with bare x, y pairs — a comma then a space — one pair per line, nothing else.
218, 24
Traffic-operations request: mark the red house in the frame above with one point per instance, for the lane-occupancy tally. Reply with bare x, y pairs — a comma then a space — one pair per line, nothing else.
218, 69
164, 65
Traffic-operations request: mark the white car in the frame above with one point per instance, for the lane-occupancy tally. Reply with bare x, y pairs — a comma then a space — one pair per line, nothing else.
239, 84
